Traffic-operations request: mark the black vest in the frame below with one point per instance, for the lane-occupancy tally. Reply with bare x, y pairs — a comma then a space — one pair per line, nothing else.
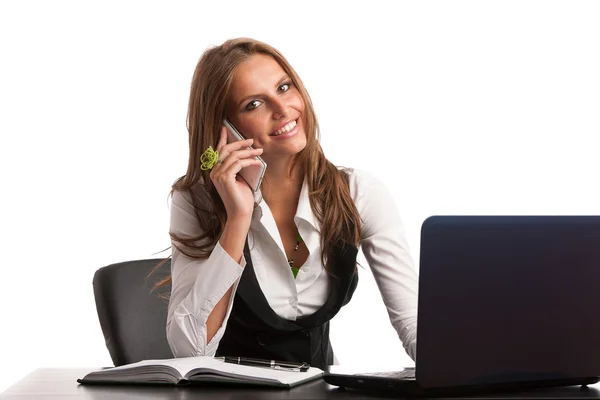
255, 330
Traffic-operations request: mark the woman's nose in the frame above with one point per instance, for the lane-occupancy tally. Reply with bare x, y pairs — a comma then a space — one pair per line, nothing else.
280, 109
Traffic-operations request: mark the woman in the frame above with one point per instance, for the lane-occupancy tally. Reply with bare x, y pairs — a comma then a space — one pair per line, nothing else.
261, 274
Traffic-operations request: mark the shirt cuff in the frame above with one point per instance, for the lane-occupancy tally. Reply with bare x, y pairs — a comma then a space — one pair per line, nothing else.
412, 350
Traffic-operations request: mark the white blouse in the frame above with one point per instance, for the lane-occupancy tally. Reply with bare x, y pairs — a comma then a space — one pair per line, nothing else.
198, 285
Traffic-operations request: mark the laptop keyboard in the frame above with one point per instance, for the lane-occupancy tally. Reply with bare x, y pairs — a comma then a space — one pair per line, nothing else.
405, 374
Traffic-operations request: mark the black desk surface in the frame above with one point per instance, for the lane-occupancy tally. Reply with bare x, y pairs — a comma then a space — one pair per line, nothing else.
54, 383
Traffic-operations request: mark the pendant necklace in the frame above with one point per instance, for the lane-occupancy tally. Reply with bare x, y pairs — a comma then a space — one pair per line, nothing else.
291, 260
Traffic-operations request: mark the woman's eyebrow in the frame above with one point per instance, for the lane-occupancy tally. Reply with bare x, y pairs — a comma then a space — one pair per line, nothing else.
281, 80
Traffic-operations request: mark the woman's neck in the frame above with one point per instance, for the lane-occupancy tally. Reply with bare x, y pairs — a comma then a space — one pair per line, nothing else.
280, 187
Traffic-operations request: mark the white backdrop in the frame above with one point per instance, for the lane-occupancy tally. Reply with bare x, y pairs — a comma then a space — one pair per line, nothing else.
462, 107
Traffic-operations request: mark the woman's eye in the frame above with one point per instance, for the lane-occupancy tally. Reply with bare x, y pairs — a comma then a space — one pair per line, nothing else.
285, 87
252, 105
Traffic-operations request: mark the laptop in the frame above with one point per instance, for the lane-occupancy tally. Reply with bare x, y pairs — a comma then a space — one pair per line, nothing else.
505, 302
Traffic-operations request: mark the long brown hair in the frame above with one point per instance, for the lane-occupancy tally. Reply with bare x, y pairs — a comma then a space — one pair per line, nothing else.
329, 191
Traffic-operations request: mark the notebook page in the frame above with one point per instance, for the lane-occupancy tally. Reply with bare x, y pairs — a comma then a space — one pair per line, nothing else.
185, 364
182, 365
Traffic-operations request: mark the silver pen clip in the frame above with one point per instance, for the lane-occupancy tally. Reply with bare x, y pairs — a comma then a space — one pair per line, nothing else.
302, 368
290, 369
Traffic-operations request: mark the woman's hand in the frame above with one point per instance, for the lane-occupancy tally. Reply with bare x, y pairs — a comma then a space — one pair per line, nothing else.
234, 191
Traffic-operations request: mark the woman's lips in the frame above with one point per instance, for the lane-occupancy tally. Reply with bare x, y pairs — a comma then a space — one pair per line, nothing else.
289, 134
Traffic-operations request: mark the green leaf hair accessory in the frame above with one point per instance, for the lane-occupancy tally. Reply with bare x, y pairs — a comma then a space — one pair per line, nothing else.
209, 158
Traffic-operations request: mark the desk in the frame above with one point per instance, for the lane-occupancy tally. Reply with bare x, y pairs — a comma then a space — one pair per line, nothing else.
49, 383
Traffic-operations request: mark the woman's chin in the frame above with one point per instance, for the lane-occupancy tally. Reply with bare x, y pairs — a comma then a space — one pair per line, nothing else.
287, 148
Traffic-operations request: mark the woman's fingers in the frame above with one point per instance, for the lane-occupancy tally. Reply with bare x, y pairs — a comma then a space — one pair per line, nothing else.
228, 159
239, 164
222, 139
241, 154
228, 148
232, 168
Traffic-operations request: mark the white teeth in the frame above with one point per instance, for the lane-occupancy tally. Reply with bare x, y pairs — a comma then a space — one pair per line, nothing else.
285, 129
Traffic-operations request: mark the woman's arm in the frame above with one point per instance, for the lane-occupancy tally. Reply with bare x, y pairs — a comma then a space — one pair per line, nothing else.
386, 249
202, 290
232, 241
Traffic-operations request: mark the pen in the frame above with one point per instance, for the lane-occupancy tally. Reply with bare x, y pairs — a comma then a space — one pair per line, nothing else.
255, 362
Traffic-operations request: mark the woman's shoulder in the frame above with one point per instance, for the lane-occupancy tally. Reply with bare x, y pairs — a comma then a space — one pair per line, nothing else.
186, 198
360, 181
357, 173
374, 202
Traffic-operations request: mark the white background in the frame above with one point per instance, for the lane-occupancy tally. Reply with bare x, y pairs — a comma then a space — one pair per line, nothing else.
459, 107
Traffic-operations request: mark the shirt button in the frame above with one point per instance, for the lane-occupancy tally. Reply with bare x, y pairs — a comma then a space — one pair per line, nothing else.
292, 301
263, 339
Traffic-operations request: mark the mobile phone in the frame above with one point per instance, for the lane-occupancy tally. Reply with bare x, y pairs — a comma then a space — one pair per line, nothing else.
253, 174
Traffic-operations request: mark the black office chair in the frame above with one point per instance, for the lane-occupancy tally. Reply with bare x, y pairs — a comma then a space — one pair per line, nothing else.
132, 317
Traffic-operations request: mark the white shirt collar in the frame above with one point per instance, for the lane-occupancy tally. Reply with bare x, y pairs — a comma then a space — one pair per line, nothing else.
304, 210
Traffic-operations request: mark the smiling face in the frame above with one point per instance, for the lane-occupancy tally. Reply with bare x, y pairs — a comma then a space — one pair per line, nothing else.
264, 105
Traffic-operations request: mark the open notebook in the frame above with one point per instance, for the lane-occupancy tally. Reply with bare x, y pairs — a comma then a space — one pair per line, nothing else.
190, 370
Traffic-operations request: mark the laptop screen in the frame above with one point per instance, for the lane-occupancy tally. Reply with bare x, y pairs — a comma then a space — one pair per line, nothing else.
508, 299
